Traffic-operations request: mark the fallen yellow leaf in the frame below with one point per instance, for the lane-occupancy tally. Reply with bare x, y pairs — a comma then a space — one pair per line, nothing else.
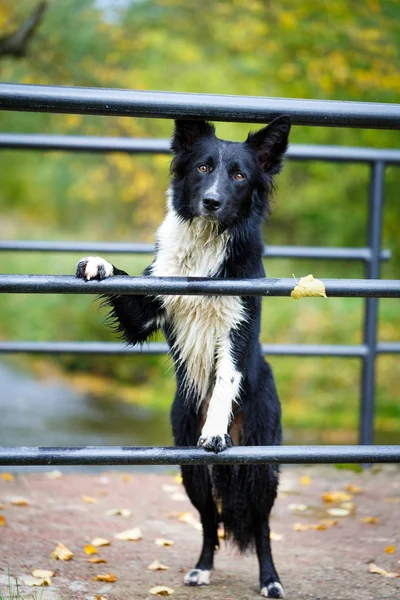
370, 520
43, 573
108, 577
161, 590
19, 502
126, 477
90, 549
336, 497
321, 526
170, 489
131, 535
2, 521
61, 552
34, 581
373, 568
305, 480
354, 489
390, 549
157, 566
178, 478
89, 499
308, 287
54, 475
7, 477
221, 532
275, 537
163, 542
190, 519
123, 512
98, 541
99, 598
338, 512
297, 507
96, 560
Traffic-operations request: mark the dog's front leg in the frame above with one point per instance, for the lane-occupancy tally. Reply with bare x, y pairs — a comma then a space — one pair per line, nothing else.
214, 435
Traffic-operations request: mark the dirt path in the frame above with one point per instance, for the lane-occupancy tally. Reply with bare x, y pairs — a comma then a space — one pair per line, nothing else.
330, 564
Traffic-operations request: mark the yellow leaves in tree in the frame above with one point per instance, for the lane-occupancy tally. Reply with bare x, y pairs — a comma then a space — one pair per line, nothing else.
61, 552
157, 566
308, 287
90, 549
107, 577
161, 590
130, 535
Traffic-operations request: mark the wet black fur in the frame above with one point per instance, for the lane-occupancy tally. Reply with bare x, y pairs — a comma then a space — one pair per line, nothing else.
243, 494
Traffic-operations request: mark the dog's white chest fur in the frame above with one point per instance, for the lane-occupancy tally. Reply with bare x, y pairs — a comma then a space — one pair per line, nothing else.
201, 324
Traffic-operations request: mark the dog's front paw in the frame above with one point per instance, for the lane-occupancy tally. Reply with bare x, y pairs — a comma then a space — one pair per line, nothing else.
94, 267
215, 443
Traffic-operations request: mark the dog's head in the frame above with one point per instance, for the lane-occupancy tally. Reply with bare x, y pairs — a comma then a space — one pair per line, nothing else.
220, 180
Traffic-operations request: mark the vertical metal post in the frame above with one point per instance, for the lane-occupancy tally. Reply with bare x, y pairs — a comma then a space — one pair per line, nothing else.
367, 409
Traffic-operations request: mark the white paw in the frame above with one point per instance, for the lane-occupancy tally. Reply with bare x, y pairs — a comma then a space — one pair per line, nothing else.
215, 442
197, 577
273, 590
94, 267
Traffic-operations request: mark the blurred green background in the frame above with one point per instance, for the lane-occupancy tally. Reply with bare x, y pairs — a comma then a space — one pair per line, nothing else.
328, 50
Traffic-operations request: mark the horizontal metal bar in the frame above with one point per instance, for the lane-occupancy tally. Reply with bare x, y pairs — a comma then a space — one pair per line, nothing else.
117, 455
81, 143
113, 348
313, 252
173, 105
191, 286
388, 348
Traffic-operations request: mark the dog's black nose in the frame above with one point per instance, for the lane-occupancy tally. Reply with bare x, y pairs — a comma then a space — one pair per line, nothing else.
211, 204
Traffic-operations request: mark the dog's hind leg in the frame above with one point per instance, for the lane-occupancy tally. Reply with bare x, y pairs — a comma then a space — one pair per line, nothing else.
270, 585
198, 487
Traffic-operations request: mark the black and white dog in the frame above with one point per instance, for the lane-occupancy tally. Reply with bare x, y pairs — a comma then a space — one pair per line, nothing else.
226, 394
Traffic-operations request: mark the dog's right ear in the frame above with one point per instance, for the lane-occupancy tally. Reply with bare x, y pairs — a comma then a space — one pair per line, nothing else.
187, 132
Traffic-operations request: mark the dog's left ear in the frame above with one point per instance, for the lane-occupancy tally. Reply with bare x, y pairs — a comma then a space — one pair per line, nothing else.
187, 132
271, 143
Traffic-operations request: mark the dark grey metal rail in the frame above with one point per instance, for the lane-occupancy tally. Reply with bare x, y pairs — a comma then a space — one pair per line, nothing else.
308, 252
117, 455
173, 105
80, 143
65, 284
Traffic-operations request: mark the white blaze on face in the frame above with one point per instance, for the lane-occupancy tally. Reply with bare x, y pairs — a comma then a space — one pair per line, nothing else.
201, 324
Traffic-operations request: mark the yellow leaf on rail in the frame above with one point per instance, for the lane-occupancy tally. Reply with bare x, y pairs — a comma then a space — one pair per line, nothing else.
308, 287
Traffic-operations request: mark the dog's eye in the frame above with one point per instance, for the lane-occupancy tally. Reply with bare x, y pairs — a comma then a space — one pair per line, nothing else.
203, 168
239, 176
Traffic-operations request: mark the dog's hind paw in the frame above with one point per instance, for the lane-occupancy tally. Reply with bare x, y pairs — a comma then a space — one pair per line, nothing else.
273, 590
94, 267
215, 443
197, 577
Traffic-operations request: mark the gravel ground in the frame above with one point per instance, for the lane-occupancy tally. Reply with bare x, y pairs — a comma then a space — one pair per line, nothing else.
317, 564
